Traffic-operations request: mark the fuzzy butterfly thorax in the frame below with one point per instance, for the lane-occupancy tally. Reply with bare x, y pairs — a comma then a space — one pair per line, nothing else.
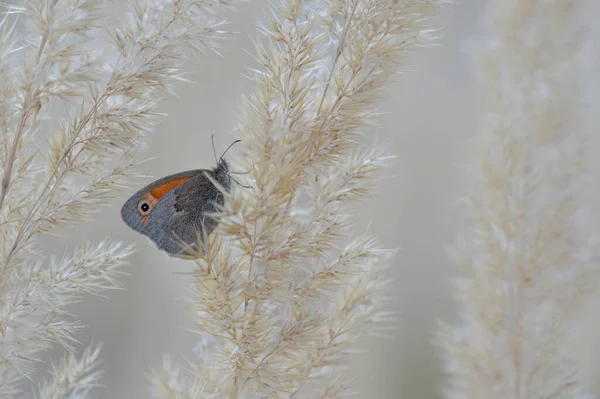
175, 211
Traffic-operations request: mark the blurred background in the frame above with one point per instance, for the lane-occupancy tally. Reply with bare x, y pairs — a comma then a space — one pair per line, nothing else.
430, 119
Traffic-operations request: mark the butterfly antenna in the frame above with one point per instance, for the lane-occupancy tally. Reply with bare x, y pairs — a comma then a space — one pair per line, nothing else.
239, 184
230, 145
212, 138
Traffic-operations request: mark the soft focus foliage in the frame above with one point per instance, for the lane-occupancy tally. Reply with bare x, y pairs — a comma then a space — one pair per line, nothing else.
528, 262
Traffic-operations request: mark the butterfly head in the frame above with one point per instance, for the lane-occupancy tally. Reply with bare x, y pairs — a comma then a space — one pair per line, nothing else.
221, 174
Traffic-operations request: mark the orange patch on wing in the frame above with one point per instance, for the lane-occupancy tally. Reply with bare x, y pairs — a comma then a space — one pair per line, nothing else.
160, 191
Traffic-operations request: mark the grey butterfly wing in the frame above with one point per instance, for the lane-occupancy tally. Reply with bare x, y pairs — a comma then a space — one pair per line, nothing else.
129, 211
182, 215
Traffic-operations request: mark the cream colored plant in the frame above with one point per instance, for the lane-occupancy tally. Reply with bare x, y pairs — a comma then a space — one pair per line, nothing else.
285, 292
70, 120
528, 262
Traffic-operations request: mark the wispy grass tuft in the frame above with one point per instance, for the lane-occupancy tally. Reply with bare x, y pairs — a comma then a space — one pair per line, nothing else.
286, 291
75, 104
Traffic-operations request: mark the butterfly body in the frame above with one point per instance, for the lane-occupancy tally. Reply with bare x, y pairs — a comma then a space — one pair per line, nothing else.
175, 211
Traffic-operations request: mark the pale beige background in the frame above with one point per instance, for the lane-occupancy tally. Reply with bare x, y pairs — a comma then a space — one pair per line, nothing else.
432, 118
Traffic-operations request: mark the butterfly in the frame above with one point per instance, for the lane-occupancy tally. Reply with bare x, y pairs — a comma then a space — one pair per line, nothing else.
175, 211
